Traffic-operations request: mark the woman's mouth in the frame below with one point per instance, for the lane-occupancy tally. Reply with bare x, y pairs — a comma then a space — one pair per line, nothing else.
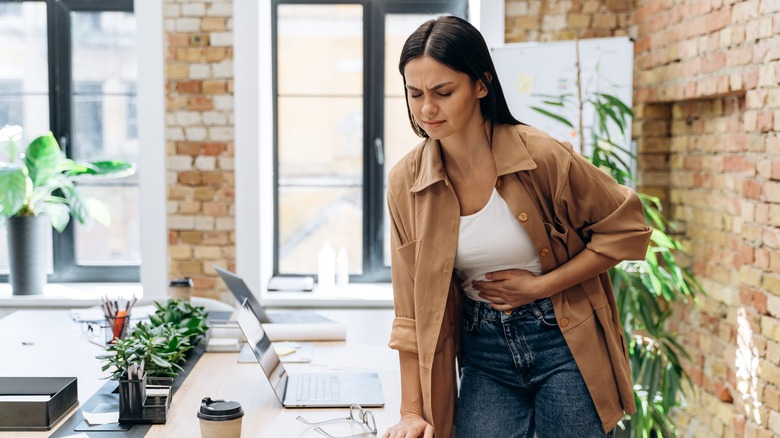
433, 123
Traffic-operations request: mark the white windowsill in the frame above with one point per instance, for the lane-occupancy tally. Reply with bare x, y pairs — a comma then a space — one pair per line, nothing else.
72, 295
356, 295
68, 295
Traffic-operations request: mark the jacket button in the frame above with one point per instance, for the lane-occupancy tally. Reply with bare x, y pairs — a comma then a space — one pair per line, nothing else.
564, 322
500, 183
522, 216
544, 252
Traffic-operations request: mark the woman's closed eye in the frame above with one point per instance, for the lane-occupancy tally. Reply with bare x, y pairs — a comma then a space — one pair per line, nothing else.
419, 95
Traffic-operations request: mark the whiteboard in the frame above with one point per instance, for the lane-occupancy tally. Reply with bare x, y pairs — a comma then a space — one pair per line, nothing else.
527, 70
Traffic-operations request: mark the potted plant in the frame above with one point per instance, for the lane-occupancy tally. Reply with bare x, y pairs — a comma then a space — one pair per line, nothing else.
646, 289
38, 189
162, 345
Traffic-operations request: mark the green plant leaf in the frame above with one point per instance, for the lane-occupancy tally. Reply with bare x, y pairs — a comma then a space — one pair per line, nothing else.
78, 207
98, 211
58, 214
104, 169
13, 189
42, 158
553, 116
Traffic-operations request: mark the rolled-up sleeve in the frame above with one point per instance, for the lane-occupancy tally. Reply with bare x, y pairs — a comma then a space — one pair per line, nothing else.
609, 217
403, 335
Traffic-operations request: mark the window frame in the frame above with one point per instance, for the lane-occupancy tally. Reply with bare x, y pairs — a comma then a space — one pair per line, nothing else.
374, 269
66, 268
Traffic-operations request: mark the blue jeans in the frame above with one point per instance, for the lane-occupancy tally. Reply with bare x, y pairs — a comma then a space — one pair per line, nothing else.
519, 377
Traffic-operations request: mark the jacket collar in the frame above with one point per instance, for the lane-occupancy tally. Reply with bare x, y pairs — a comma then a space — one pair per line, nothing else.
509, 150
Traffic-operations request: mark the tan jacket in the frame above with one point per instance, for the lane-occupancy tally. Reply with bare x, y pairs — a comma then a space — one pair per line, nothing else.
566, 205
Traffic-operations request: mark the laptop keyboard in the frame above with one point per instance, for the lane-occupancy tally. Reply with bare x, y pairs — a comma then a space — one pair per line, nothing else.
317, 387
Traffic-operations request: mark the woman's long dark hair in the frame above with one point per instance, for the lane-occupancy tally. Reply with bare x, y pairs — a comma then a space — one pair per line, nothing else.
457, 44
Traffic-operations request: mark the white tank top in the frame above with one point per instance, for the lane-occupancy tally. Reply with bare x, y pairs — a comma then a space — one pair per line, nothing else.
492, 240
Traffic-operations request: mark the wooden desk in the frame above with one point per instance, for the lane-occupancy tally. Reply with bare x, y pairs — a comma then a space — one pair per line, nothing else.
60, 348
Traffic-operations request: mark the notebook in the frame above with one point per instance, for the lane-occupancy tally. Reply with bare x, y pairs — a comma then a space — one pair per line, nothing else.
307, 390
242, 292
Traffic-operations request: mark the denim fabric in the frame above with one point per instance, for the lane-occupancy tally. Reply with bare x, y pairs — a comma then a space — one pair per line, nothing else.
519, 377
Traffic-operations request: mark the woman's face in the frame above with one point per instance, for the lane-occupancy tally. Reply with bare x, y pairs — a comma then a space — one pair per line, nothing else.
443, 101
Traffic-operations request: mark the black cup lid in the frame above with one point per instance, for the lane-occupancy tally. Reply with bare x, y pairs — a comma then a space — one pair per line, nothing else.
219, 410
181, 282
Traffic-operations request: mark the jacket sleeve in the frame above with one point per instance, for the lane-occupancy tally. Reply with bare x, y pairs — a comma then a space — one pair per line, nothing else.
403, 251
608, 217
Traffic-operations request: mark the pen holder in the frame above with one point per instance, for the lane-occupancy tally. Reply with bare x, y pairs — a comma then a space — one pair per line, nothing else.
117, 327
132, 394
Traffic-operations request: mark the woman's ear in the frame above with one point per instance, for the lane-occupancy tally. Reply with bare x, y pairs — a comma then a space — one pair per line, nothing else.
482, 88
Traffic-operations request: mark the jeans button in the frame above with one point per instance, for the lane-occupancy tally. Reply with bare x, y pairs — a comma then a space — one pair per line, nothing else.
507, 312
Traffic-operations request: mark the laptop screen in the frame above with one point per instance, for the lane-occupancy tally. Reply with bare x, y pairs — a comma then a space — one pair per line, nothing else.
241, 291
263, 349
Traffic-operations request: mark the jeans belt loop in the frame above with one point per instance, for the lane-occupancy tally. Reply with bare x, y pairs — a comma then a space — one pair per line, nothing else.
537, 313
477, 312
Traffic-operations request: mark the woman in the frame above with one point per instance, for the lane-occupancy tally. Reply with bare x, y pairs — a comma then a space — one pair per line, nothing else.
501, 239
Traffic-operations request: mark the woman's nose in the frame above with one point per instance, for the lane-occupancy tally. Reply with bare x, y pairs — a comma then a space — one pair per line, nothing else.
429, 107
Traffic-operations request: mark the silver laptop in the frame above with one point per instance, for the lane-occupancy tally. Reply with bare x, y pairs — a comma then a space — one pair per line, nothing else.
242, 292
308, 390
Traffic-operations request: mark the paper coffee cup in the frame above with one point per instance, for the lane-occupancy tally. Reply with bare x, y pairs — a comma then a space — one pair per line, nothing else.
220, 418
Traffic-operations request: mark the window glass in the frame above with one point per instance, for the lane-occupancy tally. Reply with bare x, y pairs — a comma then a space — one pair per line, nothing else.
24, 82
104, 125
320, 134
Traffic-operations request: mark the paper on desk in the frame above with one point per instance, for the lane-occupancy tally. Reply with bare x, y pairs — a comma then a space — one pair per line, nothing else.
95, 418
306, 332
285, 348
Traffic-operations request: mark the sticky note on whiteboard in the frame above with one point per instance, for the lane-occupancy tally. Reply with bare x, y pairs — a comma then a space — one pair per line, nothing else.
524, 84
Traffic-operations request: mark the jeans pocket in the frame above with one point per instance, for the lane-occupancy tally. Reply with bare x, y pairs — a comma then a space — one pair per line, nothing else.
548, 317
467, 324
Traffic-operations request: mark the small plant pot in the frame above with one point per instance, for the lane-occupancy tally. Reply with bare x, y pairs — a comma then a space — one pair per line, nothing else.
132, 394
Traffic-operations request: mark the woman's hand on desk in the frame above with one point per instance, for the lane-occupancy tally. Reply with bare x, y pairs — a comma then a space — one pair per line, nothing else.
410, 426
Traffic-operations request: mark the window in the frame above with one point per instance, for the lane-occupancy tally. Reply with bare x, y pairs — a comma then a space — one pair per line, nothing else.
70, 66
340, 126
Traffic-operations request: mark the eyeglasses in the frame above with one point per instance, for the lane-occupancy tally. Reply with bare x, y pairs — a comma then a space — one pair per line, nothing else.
356, 415
95, 331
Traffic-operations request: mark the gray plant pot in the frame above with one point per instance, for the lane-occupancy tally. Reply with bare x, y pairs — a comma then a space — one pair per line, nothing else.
27, 253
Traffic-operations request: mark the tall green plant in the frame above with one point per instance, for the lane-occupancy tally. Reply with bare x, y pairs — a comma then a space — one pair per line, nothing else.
644, 289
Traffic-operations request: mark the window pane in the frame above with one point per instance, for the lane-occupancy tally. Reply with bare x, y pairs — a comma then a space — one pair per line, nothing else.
320, 134
399, 136
118, 244
326, 39
104, 127
329, 146
309, 217
24, 76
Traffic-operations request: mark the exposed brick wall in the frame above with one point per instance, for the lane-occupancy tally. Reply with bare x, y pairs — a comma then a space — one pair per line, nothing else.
708, 103
538, 20
707, 116
199, 146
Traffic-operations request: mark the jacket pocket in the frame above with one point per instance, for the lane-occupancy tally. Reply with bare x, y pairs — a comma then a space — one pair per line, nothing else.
559, 239
408, 255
